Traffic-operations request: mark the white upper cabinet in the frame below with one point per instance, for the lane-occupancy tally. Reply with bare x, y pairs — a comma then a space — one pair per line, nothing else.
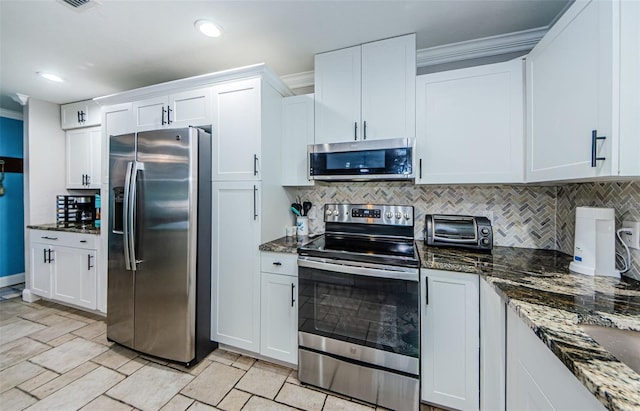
297, 134
188, 108
84, 158
366, 92
80, 114
470, 126
337, 95
388, 88
576, 94
236, 131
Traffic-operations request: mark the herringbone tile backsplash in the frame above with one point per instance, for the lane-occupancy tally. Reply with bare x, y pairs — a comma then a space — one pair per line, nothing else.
522, 216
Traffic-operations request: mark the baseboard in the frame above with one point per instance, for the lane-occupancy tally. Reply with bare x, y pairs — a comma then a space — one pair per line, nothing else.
28, 296
14, 279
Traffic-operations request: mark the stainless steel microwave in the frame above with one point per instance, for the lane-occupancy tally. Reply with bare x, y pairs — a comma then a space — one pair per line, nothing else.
390, 159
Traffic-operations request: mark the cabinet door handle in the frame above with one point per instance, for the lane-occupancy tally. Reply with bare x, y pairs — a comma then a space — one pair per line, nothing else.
594, 141
255, 204
426, 290
169, 114
89, 266
44, 255
49, 238
83, 241
293, 300
81, 116
255, 164
49, 252
355, 130
364, 130
163, 112
88, 179
420, 169
278, 263
78, 114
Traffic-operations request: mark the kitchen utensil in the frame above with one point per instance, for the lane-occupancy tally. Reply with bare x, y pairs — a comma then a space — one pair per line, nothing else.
298, 207
306, 206
295, 211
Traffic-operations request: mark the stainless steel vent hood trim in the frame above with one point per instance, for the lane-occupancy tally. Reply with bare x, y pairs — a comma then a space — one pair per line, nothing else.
362, 145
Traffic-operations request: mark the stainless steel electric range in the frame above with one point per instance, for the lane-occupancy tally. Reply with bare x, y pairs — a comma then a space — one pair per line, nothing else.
359, 311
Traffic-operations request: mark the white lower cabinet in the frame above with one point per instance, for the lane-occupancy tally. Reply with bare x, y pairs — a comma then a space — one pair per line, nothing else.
63, 267
279, 307
536, 378
235, 315
492, 349
450, 339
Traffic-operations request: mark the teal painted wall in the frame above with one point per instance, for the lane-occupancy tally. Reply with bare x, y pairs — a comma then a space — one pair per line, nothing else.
12, 203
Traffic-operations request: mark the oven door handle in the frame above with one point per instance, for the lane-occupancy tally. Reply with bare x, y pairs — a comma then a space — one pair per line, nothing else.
392, 273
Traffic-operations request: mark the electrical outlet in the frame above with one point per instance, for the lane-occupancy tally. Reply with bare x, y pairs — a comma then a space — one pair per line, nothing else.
631, 240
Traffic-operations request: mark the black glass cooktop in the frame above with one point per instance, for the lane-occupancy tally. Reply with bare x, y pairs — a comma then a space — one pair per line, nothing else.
377, 250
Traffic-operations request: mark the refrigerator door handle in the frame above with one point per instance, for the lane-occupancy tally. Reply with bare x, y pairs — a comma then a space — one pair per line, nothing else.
127, 211
135, 169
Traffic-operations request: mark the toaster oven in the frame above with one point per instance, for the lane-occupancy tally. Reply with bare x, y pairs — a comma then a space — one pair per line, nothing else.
447, 230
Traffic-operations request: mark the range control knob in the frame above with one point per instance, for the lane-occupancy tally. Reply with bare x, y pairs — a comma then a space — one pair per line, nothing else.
389, 214
485, 241
328, 212
336, 212
398, 215
407, 216
484, 231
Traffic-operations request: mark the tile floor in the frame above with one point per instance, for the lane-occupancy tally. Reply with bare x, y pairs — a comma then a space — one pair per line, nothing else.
54, 357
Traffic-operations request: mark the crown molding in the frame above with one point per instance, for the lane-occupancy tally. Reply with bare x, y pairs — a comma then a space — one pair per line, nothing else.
16, 115
466, 50
299, 80
484, 47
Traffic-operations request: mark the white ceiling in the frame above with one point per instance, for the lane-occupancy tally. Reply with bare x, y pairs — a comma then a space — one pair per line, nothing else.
123, 44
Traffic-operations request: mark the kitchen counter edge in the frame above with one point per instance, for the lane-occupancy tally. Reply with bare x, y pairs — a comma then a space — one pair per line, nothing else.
65, 228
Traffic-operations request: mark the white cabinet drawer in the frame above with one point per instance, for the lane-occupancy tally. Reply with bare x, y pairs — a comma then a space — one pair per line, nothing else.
65, 239
279, 263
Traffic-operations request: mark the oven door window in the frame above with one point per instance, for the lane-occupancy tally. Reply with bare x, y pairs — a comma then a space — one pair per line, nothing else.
375, 312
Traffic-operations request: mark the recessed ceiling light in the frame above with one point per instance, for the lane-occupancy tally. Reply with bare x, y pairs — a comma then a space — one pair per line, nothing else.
208, 28
50, 76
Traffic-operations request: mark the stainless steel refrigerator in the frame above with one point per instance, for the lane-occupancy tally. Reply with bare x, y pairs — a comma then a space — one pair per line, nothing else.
159, 265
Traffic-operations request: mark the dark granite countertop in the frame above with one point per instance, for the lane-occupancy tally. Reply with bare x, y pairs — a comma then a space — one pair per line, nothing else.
553, 302
69, 227
286, 244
